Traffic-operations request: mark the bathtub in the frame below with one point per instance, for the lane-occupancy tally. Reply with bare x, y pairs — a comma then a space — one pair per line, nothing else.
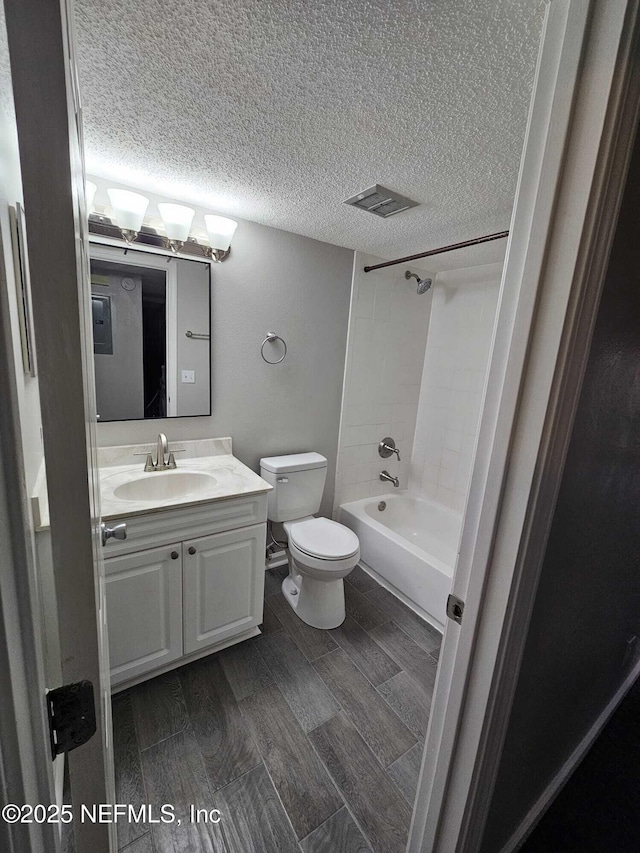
411, 547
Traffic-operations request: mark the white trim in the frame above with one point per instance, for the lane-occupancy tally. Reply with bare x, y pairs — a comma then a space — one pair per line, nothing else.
48, 113
99, 239
171, 379
595, 230
578, 74
26, 771
537, 811
540, 167
135, 257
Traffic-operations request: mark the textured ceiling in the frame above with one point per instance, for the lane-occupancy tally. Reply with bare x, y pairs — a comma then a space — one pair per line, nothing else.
278, 110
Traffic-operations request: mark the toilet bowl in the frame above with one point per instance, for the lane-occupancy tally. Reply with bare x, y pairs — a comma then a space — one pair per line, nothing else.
321, 552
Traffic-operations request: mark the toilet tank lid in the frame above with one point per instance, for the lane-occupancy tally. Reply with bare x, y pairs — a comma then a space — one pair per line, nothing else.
293, 462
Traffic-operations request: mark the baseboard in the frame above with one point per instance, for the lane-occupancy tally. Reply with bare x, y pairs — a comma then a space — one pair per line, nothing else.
554, 787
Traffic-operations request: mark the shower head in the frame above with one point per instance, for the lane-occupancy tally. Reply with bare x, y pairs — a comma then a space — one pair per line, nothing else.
423, 283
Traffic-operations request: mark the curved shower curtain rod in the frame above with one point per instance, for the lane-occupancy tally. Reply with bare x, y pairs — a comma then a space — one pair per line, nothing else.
487, 239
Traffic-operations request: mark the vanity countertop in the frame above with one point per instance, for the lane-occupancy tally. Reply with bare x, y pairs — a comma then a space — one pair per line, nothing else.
219, 475
229, 479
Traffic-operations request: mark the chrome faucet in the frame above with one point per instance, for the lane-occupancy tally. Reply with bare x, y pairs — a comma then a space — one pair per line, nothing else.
387, 448
162, 450
386, 476
165, 460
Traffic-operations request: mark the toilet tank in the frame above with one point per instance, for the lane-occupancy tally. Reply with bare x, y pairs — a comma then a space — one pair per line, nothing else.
298, 484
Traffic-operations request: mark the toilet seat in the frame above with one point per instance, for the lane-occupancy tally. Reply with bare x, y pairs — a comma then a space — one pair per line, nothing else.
323, 539
322, 569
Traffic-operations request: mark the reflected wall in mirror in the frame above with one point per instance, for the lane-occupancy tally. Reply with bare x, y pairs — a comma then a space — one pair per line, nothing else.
151, 334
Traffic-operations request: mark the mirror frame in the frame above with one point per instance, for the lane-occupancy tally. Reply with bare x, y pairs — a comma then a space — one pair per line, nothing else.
158, 258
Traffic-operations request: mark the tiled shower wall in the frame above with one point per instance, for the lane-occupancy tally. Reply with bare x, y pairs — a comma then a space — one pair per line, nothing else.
385, 356
455, 367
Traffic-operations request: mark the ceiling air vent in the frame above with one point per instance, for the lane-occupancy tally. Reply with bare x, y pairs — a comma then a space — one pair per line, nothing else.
381, 201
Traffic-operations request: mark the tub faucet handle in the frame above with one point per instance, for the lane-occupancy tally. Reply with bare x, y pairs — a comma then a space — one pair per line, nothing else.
387, 448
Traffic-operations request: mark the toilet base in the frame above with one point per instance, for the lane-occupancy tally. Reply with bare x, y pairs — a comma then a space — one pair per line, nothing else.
318, 603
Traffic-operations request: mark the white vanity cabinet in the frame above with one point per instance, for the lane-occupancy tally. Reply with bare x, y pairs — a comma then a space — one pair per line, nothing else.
201, 591
223, 585
144, 611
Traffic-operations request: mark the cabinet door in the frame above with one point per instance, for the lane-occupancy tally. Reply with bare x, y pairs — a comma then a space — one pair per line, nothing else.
144, 610
223, 585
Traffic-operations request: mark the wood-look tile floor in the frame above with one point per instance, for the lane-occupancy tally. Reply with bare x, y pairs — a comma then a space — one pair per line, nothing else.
305, 740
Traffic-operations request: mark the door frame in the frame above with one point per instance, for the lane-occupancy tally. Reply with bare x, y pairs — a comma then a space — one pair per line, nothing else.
552, 257
49, 123
578, 144
26, 770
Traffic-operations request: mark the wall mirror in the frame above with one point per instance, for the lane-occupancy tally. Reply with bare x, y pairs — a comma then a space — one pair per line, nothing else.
151, 334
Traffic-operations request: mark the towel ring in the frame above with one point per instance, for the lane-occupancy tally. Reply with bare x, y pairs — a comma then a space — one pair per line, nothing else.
271, 337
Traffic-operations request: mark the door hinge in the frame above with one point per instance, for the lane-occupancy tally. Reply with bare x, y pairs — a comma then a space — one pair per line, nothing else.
72, 716
455, 608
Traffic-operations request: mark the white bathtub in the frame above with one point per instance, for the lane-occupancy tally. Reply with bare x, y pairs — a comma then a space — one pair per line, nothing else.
411, 546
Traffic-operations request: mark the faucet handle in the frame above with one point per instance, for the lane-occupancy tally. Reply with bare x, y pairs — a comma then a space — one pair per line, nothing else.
387, 448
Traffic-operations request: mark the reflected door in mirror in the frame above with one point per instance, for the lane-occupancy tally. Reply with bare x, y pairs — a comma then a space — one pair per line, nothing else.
151, 332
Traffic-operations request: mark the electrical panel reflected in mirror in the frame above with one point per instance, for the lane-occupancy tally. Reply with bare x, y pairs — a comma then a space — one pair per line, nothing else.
151, 334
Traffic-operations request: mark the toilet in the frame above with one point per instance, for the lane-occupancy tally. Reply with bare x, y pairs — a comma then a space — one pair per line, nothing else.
320, 552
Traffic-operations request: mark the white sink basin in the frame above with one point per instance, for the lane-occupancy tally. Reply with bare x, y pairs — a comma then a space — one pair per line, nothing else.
165, 485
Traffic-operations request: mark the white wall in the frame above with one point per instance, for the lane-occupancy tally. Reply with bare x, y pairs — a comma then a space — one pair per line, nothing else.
300, 289
10, 193
385, 354
455, 365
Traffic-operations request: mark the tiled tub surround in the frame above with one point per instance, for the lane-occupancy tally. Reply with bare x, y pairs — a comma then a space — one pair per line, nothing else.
455, 367
435, 425
306, 740
385, 356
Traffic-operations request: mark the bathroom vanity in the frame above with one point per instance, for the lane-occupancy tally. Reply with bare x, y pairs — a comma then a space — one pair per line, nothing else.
188, 579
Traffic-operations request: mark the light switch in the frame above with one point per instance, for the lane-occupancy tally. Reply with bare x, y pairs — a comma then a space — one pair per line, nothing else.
189, 376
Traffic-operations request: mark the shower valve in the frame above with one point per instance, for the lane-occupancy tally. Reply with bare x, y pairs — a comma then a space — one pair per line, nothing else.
387, 448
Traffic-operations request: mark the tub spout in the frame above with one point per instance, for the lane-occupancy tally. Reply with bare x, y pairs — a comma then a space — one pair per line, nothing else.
386, 476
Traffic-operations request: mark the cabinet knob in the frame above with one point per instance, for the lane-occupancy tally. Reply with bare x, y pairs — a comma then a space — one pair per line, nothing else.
192, 550
174, 555
118, 531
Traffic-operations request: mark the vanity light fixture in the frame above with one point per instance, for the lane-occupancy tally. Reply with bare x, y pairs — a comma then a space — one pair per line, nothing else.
129, 209
177, 219
89, 195
220, 231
